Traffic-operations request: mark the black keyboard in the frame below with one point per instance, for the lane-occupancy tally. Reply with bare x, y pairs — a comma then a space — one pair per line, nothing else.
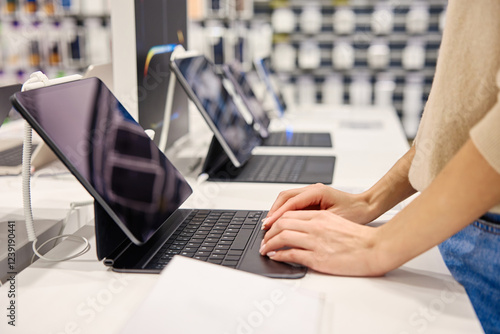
270, 168
214, 236
301, 139
13, 156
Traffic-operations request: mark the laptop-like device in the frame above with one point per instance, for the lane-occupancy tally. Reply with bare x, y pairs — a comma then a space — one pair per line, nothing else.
137, 191
238, 78
230, 155
267, 76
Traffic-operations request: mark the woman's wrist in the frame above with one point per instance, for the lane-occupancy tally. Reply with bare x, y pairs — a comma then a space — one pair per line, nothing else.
388, 254
371, 206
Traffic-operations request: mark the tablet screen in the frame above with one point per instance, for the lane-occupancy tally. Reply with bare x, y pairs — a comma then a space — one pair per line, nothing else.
243, 87
206, 88
265, 73
110, 154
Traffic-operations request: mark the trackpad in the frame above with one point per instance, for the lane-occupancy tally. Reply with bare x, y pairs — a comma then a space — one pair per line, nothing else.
255, 263
318, 169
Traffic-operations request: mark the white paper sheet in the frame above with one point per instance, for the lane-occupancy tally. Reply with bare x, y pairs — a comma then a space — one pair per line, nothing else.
192, 296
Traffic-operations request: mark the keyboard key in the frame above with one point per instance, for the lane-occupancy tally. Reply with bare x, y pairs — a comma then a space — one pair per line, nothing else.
235, 253
241, 240
203, 253
232, 257
215, 261
187, 254
198, 240
215, 240
209, 244
230, 263
217, 256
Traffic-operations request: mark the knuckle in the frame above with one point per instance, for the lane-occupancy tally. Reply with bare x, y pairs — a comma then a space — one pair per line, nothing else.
292, 255
283, 193
284, 236
318, 185
321, 257
278, 225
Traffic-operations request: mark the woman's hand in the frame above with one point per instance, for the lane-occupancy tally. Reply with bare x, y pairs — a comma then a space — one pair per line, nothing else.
354, 207
325, 242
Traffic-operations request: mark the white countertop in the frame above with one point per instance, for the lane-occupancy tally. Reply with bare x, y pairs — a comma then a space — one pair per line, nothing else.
83, 296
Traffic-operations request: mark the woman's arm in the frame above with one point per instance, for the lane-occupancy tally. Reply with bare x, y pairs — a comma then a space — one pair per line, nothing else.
362, 208
392, 188
465, 189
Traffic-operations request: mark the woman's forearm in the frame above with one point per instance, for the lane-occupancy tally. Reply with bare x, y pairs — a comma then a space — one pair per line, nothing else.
466, 188
392, 188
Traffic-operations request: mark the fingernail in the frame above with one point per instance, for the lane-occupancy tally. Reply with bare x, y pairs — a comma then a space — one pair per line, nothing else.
264, 221
262, 247
271, 254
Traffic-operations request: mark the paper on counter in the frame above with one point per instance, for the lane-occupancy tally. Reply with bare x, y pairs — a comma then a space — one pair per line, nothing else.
192, 296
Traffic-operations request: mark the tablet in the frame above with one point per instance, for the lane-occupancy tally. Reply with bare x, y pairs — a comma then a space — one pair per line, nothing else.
243, 88
206, 88
263, 67
108, 152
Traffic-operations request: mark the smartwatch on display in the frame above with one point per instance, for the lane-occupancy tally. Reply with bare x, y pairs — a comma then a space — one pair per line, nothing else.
283, 20
309, 55
310, 19
379, 55
284, 57
417, 19
413, 56
343, 56
344, 21
382, 20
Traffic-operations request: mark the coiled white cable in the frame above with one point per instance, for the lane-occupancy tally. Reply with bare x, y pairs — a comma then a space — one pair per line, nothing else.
39, 77
26, 175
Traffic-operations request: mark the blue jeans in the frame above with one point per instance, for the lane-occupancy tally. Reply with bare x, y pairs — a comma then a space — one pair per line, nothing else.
473, 257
